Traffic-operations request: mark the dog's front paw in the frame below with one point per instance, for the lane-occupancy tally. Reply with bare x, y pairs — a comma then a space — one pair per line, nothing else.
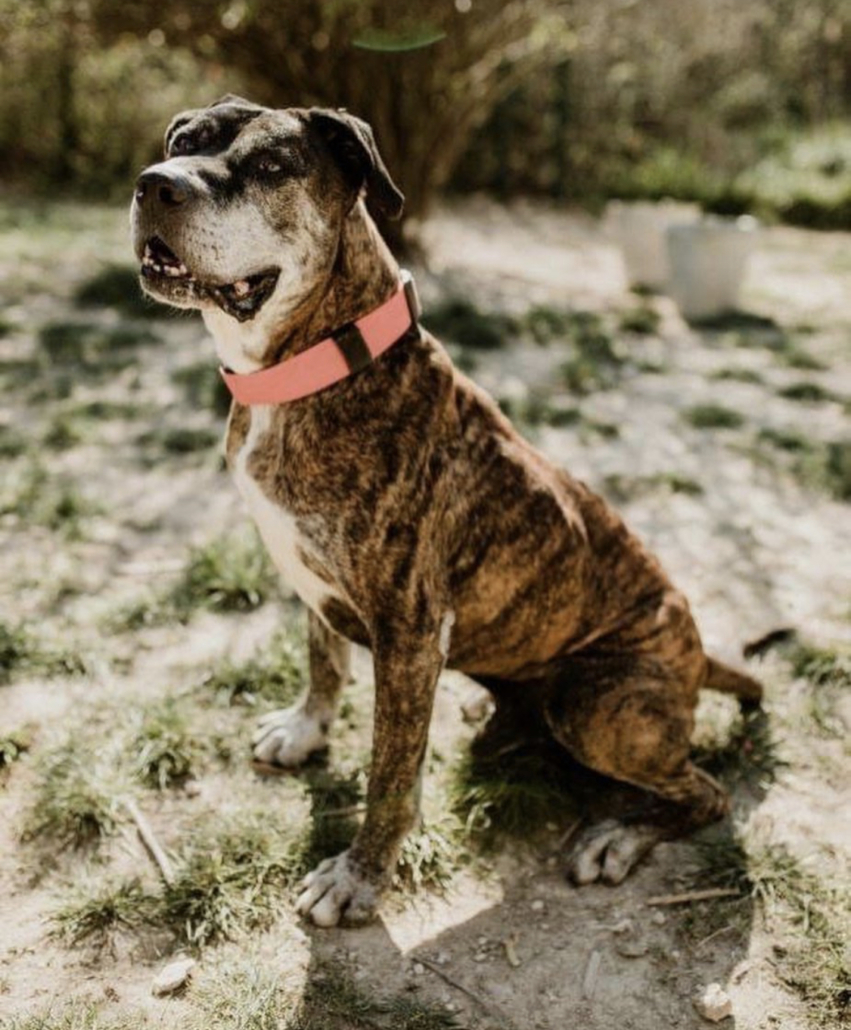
337, 891
288, 736
608, 851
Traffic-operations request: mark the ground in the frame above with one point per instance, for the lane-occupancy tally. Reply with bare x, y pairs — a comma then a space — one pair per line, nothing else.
142, 633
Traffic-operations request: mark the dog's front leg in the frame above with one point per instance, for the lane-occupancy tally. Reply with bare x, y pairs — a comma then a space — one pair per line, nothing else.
288, 736
347, 888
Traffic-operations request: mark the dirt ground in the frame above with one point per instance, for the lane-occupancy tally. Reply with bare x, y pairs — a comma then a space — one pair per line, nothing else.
112, 475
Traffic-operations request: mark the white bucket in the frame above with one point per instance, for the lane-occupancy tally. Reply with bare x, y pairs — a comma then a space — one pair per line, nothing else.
708, 262
639, 228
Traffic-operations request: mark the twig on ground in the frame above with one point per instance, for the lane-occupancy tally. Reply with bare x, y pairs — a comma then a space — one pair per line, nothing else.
152, 845
690, 896
491, 1010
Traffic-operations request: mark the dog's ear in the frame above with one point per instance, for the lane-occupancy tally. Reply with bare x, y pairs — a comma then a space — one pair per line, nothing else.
353, 146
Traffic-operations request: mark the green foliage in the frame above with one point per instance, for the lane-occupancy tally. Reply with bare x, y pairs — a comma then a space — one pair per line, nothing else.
597, 358
622, 488
713, 416
13, 745
91, 344
819, 465
32, 494
643, 320
429, 857
179, 440
808, 392
738, 375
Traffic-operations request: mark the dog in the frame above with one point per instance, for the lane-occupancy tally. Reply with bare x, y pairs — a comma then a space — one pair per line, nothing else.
402, 505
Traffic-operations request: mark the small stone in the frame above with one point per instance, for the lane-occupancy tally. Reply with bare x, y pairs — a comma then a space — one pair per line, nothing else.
537, 905
192, 788
442, 958
482, 941
659, 918
173, 977
713, 1003
624, 926
480, 956
419, 969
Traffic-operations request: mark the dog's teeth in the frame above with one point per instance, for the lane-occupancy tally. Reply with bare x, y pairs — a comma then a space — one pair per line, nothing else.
182, 269
241, 287
157, 268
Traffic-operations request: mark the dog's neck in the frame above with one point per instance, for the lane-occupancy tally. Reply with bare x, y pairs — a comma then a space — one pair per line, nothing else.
362, 277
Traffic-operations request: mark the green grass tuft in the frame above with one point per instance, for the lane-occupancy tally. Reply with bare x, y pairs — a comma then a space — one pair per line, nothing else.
20, 652
41, 499
275, 674
713, 416
179, 439
76, 802
228, 880
165, 752
12, 443
13, 745
429, 857
807, 392
97, 911
738, 375
643, 320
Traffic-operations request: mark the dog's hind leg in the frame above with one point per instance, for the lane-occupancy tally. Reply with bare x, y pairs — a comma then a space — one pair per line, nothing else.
288, 736
637, 731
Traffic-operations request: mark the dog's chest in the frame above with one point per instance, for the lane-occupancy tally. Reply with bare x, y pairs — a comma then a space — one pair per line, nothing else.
295, 553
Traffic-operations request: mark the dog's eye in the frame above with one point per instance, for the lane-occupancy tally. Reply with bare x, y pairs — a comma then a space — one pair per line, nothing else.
269, 166
191, 143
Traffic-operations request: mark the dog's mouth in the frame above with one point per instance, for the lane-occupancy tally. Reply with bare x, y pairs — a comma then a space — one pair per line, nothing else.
166, 275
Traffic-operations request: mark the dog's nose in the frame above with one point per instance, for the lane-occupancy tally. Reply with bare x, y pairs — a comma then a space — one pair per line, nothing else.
170, 189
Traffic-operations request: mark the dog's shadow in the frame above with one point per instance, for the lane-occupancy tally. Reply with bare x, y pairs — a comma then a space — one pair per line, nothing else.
545, 954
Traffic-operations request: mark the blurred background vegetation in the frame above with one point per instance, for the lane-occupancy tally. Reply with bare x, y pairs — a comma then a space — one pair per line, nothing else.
738, 105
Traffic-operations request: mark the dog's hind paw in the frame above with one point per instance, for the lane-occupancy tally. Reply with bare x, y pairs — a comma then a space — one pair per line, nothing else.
609, 851
337, 891
288, 736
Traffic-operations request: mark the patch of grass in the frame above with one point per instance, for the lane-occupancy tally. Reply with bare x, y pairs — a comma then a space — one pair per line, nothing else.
179, 439
91, 345
102, 410
76, 803
232, 574
797, 357
459, 320
643, 319
21, 652
248, 996
545, 324
596, 427
737, 375
822, 666
748, 756
429, 857
42, 499
98, 910
13, 745
203, 387
75, 1016
535, 409
515, 795
228, 575
12, 443
117, 286
807, 392
63, 433
623, 488
712, 416
815, 962
786, 440
164, 751
597, 359
229, 879
276, 674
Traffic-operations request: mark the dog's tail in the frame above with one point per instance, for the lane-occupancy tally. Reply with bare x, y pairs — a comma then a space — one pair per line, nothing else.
722, 678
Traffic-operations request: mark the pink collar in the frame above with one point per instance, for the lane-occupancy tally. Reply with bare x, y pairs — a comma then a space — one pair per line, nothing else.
346, 351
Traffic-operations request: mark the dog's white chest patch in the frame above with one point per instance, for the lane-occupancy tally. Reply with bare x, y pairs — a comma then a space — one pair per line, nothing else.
278, 528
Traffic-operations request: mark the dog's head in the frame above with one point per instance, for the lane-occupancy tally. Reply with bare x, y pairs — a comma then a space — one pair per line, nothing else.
249, 204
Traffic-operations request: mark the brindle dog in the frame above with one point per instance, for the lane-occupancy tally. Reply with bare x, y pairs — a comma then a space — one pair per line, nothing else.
405, 509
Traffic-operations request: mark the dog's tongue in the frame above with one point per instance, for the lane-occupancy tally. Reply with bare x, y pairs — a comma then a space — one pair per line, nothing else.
243, 298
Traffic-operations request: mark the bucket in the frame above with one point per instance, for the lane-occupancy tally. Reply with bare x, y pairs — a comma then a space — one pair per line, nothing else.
639, 229
708, 261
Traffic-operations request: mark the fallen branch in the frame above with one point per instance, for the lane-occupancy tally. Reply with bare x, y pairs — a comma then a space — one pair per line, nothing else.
690, 896
152, 845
